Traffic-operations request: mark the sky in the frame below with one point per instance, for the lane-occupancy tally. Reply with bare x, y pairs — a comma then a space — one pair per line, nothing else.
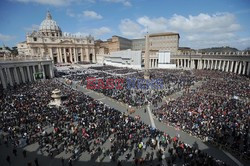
200, 23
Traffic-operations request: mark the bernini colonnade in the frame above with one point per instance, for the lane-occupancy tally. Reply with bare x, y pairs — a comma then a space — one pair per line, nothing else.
239, 64
14, 72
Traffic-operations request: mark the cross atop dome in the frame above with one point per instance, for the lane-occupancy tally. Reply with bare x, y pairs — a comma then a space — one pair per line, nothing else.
48, 16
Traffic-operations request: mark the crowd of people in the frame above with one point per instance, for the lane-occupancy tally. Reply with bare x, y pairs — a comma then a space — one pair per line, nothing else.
85, 125
218, 111
172, 81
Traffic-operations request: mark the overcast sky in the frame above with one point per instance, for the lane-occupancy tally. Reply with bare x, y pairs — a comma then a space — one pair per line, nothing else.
200, 23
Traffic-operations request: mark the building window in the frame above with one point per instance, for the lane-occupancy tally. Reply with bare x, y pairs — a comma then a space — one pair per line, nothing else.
34, 38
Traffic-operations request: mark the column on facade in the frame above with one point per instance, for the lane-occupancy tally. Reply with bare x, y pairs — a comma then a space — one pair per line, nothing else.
236, 67
59, 56
155, 63
93, 55
70, 55
51, 54
75, 54
81, 54
3, 80
51, 70
244, 67
87, 54
240, 67
16, 76
65, 56
29, 77
181, 63
93, 52
59, 53
22, 74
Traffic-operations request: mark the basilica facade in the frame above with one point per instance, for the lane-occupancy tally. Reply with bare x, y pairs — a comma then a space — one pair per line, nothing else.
49, 41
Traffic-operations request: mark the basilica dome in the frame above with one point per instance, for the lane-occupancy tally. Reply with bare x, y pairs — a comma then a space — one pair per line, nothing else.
49, 26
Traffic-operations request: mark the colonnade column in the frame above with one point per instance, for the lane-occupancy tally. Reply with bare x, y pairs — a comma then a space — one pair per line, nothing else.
236, 67
201, 64
22, 74
34, 71
28, 71
16, 76
240, 67
232, 66
248, 68
223, 65
228, 64
3, 80
244, 68
216, 64
219, 67
212, 65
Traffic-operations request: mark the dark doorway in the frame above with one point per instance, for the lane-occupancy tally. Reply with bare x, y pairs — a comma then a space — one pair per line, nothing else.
195, 64
68, 59
55, 60
91, 58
